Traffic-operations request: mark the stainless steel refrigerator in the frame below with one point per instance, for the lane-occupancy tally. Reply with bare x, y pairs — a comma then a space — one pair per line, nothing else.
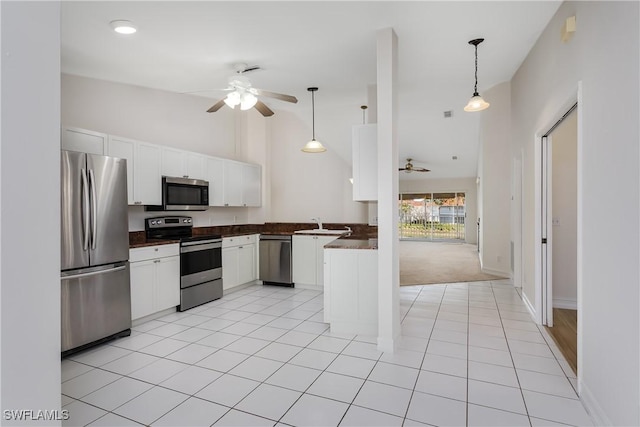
96, 295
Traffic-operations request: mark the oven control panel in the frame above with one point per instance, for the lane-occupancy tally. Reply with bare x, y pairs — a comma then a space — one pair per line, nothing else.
168, 222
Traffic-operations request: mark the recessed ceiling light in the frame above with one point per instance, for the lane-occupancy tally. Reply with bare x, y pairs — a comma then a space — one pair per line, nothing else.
123, 27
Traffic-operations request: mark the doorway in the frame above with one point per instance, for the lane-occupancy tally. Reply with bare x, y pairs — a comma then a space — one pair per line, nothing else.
559, 224
432, 216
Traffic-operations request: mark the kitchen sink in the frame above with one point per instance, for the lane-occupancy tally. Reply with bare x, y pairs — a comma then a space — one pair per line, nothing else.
323, 231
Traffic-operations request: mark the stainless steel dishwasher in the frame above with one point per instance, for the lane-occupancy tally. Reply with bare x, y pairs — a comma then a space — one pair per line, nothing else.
275, 260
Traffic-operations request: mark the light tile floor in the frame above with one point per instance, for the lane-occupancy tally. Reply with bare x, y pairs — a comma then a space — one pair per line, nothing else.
469, 354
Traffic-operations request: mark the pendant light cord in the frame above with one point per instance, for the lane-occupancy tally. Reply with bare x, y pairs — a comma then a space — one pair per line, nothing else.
313, 117
475, 87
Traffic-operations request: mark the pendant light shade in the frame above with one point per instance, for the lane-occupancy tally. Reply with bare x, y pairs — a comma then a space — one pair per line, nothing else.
476, 103
313, 146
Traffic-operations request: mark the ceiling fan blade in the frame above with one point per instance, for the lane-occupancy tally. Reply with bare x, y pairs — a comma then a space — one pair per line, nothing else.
421, 170
215, 107
280, 96
263, 109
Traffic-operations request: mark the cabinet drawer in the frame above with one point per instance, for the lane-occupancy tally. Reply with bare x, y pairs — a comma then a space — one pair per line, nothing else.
152, 252
229, 242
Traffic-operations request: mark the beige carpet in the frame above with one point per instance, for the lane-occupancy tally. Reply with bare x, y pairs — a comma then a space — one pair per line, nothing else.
426, 263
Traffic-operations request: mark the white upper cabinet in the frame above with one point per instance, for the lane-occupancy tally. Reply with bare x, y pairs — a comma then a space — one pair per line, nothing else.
143, 169
179, 163
365, 162
147, 183
172, 162
215, 175
85, 141
125, 149
251, 185
233, 183
195, 165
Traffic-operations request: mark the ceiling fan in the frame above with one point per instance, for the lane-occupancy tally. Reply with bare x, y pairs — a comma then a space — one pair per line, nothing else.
242, 93
408, 168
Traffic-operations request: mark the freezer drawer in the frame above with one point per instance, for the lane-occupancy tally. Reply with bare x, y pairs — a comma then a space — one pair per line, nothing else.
95, 304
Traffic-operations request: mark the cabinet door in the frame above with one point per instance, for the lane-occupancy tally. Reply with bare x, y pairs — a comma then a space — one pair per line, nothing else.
167, 282
230, 267
304, 260
124, 149
147, 179
142, 288
246, 263
232, 183
215, 176
173, 162
84, 141
194, 165
365, 163
320, 242
251, 185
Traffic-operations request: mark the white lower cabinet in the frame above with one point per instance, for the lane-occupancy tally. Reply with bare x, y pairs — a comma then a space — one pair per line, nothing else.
351, 291
239, 260
308, 260
155, 279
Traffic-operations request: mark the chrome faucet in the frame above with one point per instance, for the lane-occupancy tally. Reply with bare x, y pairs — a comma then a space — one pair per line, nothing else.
317, 219
348, 228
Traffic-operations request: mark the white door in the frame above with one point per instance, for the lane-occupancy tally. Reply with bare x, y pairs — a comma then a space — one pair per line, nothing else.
230, 267
215, 176
167, 282
84, 141
124, 149
246, 263
147, 177
232, 183
142, 288
251, 189
173, 162
305, 260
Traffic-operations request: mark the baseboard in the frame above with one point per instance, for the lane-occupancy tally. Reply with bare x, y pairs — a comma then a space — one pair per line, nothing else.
598, 416
495, 272
529, 306
567, 303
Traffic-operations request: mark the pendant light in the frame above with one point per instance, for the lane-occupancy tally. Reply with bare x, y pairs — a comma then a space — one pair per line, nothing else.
313, 146
476, 103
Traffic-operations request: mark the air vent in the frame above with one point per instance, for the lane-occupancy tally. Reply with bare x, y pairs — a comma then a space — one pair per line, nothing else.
448, 114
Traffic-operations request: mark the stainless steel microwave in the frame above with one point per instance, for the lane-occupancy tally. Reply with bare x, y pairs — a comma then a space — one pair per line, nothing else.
184, 194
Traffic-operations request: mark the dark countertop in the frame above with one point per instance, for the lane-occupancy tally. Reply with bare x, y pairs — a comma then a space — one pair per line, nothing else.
138, 239
352, 243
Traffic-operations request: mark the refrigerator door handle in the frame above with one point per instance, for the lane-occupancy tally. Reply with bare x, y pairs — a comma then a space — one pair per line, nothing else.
85, 209
94, 220
94, 273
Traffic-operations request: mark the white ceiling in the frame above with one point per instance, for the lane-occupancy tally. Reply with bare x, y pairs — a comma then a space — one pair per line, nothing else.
188, 46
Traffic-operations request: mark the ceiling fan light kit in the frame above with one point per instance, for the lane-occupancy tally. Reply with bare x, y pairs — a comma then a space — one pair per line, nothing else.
313, 146
243, 94
408, 168
476, 103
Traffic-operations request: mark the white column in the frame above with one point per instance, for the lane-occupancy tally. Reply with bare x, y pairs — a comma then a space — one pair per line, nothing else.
388, 261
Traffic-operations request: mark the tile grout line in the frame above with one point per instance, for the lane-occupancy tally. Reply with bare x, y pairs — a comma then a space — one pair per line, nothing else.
511, 356
425, 350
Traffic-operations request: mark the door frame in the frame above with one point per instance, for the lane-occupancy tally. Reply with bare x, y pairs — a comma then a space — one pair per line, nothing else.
542, 294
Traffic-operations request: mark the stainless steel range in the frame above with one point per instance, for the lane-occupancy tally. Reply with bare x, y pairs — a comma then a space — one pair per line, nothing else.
200, 259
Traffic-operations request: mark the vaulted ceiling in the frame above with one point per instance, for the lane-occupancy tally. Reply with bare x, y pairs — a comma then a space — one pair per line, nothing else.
190, 46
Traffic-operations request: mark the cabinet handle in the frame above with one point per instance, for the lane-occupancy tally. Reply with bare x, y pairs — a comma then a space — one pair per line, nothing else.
156, 249
226, 204
156, 261
185, 176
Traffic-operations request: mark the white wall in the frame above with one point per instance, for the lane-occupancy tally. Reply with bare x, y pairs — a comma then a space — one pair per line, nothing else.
305, 185
30, 236
296, 185
466, 185
564, 240
495, 140
603, 55
151, 115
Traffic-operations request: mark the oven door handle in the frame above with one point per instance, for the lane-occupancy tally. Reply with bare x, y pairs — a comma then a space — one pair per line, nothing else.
196, 247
